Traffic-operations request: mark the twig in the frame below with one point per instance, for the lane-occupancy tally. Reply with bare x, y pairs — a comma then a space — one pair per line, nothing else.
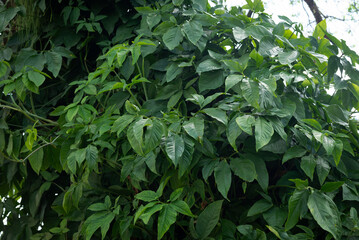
37, 149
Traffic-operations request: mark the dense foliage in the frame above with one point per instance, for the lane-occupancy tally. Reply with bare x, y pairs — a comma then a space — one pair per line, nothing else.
174, 119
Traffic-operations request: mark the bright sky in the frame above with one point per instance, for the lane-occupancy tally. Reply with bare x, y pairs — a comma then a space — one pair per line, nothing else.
299, 12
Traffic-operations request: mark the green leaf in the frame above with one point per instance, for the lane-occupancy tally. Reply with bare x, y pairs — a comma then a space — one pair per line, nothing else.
208, 65
153, 135
91, 157
232, 80
246, 122
98, 220
288, 57
195, 128
135, 135
147, 196
166, 218
233, 131
223, 177
337, 151
263, 132
250, 90
244, 168
36, 159
172, 37
193, 31
256, 57
275, 216
259, 207
239, 34
297, 207
172, 71
208, 219
174, 148
337, 114
319, 31
323, 169
312, 122
182, 207
325, 213
147, 214
54, 62
121, 123
210, 80
261, 170
331, 186
143, 209
36, 77
308, 164
218, 114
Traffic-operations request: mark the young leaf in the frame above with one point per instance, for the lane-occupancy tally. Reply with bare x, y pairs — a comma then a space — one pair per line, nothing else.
223, 177
208, 219
325, 213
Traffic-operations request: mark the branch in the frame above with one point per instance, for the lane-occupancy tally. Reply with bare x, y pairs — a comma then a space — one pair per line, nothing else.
314, 8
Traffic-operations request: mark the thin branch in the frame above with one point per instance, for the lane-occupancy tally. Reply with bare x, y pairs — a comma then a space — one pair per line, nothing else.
314, 8
37, 149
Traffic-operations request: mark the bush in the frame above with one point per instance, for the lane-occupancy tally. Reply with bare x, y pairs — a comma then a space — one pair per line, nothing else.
174, 119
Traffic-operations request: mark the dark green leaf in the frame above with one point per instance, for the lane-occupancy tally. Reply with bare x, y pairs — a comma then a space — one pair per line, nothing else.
217, 114
297, 207
259, 207
244, 168
263, 132
166, 218
223, 177
308, 164
172, 37
208, 65
174, 148
193, 31
195, 128
147, 196
36, 159
208, 219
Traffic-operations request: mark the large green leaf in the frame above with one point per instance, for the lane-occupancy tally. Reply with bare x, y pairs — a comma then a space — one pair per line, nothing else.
174, 148
223, 177
308, 164
297, 207
250, 91
135, 135
208, 65
323, 169
173, 37
98, 220
217, 114
210, 80
36, 159
244, 168
259, 207
263, 132
232, 80
325, 213
195, 128
208, 219
54, 62
193, 31
246, 122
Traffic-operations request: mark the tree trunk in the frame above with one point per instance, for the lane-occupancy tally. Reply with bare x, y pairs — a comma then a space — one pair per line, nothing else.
314, 8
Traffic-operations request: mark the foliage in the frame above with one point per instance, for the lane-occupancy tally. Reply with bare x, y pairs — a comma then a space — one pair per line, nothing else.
176, 120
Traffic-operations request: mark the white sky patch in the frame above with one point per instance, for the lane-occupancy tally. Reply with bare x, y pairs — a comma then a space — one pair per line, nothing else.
300, 13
